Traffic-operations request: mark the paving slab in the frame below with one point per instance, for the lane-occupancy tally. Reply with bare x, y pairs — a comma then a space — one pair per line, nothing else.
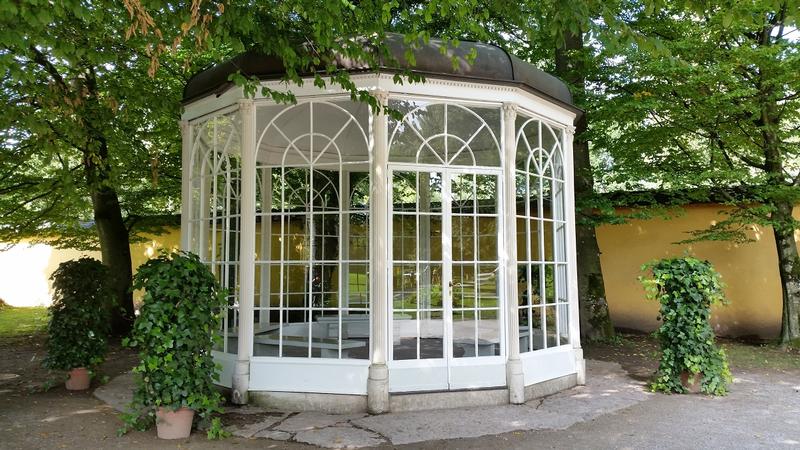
340, 437
311, 420
274, 435
118, 392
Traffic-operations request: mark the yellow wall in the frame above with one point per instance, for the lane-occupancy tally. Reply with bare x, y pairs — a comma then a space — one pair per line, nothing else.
25, 269
749, 270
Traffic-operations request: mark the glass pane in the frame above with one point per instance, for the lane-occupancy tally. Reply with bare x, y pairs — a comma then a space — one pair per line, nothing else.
404, 191
295, 331
488, 286
550, 317
326, 237
549, 283
429, 190
537, 328
488, 333
404, 332
524, 329
464, 333
357, 294
404, 286
325, 334
431, 330
358, 237
563, 324
430, 286
404, 237
534, 226
359, 190
463, 238
486, 187
296, 237
534, 188
463, 193
521, 186
463, 286
487, 240
326, 190
293, 189
355, 334
324, 286
295, 284
430, 241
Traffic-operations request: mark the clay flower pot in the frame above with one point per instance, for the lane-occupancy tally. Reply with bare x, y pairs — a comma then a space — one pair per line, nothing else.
78, 379
174, 424
691, 381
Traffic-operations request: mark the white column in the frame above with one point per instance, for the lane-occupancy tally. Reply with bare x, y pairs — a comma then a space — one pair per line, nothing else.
514, 375
378, 381
247, 254
186, 184
572, 259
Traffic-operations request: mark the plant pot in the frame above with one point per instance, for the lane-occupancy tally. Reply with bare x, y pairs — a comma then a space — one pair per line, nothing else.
78, 379
691, 381
174, 424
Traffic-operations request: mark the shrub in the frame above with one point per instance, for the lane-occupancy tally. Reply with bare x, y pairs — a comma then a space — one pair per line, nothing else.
686, 288
174, 333
79, 316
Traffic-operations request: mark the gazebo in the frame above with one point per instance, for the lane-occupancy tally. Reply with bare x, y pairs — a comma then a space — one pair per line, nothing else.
378, 261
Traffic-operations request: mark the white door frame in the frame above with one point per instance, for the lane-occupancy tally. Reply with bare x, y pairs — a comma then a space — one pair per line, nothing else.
447, 373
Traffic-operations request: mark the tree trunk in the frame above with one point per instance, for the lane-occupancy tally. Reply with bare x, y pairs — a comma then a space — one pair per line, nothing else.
595, 317
789, 269
116, 253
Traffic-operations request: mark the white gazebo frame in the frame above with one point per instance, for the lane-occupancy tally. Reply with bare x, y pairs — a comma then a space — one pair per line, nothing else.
339, 384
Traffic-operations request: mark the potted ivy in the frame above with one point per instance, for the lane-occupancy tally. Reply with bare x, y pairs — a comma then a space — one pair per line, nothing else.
77, 332
690, 360
174, 334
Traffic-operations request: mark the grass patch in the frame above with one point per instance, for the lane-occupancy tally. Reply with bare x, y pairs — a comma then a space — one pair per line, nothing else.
16, 322
760, 356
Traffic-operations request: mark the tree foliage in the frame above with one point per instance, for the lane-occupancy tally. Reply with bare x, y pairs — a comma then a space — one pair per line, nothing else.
708, 99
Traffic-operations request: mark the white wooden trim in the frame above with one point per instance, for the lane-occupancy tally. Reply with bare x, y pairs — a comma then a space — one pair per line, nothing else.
572, 259
186, 184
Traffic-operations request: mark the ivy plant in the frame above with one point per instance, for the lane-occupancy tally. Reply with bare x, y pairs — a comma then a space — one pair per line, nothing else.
79, 315
174, 333
686, 288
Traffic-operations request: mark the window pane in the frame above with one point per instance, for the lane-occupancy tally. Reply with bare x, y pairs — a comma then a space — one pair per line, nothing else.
488, 333
463, 286
431, 329
464, 333
405, 337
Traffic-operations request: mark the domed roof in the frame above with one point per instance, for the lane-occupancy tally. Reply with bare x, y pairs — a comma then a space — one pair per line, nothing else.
492, 65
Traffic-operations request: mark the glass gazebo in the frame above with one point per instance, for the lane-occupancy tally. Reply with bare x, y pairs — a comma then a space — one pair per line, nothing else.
388, 261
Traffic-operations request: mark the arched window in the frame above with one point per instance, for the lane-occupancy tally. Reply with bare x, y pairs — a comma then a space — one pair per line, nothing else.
312, 210
541, 236
444, 134
215, 210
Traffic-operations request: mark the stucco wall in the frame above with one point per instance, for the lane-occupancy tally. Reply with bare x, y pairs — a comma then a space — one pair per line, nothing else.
749, 270
25, 269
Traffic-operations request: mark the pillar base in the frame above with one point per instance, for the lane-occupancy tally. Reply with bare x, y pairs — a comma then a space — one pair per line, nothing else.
516, 382
378, 389
580, 365
240, 384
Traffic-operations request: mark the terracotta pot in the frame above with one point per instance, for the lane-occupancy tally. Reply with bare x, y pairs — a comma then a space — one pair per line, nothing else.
78, 379
174, 424
691, 381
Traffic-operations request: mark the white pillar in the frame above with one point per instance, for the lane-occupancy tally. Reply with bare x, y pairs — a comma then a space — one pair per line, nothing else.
186, 185
572, 259
514, 375
247, 250
378, 381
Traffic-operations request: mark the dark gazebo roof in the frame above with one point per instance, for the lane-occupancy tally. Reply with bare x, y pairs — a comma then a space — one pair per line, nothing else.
492, 65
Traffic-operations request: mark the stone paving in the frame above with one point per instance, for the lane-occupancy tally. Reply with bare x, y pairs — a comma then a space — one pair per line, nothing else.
608, 389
